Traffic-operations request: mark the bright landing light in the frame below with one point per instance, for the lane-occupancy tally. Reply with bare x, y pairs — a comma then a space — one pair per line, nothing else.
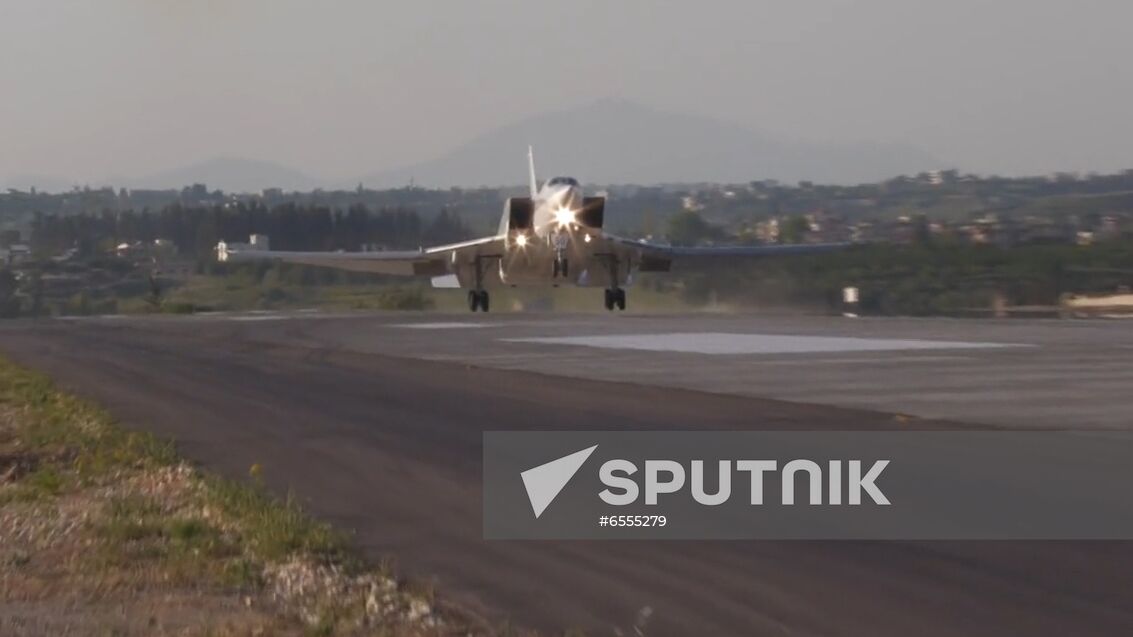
564, 216
521, 240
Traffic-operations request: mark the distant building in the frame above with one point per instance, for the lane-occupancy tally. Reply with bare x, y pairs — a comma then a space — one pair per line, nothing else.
130, 249
15, 254
66, 255
256, 242
767, 231
1108, 305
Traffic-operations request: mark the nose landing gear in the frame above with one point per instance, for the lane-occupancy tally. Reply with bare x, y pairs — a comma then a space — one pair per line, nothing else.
561, 268
478, 300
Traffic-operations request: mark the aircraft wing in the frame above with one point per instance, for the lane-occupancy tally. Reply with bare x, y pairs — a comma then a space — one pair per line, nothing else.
434, 261
653, 257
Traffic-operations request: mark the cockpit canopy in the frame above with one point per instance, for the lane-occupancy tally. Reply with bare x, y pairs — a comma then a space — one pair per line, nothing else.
562, 181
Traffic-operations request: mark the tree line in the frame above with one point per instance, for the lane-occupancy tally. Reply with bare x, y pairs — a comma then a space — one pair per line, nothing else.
918, 280
196, 231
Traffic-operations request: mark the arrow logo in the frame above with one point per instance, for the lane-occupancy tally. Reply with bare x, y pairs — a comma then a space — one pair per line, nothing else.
543, 483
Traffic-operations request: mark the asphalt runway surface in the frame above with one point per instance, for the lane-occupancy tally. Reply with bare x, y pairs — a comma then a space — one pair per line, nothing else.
375, 422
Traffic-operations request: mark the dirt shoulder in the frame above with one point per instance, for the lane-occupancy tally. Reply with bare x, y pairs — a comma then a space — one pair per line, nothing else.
107, 531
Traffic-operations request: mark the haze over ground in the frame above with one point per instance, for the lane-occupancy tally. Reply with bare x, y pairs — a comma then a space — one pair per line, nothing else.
121, 90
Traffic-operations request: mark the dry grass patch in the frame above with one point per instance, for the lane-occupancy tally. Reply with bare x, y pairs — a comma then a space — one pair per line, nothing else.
105, 531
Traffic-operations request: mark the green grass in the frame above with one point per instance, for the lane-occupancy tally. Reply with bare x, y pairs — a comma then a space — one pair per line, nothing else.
137, 532
77, 443
41, 484
274, 529
45, 480
74, 441
208, 533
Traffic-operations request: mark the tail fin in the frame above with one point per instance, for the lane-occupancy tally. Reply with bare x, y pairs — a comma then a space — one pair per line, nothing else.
531, 171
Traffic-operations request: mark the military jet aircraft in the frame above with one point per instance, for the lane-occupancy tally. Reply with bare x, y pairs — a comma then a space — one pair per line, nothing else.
552, 237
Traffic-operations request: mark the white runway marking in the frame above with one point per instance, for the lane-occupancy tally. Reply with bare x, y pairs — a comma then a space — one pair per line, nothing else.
270, 315
723, 343
443, 326
259, 317
861, 360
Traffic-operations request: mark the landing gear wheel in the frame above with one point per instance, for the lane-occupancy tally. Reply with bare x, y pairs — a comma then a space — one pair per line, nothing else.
564, 269
478, 300
555, 269
615, 298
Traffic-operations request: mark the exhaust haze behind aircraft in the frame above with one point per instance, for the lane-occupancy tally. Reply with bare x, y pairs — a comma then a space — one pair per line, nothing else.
552, 237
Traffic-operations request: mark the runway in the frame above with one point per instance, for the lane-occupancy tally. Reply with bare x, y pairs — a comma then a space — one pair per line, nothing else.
375, 422
1028, 374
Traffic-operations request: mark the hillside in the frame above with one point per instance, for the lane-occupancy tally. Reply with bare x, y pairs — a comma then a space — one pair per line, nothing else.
615, 141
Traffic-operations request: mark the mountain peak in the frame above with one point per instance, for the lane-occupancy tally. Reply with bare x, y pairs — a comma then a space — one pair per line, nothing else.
615, 140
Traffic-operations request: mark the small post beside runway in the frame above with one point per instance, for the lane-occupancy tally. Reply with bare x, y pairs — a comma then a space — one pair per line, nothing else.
850, 302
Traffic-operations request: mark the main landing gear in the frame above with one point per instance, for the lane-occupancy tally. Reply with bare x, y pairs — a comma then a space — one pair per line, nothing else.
478, 300
478, 296
616, 297
561, 268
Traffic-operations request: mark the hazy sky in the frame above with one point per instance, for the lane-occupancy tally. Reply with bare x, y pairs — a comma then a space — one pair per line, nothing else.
339, 88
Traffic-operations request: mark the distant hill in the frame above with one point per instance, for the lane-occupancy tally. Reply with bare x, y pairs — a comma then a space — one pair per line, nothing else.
230, 174
42, 183
616, 141
603, 142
